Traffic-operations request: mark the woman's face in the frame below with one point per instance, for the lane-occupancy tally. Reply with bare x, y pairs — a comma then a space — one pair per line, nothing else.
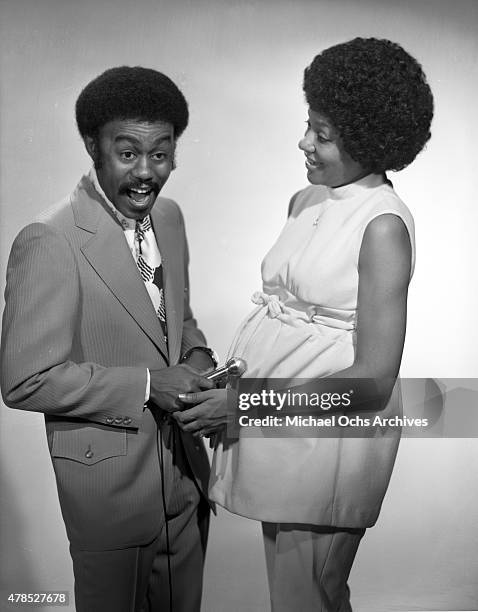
327, 162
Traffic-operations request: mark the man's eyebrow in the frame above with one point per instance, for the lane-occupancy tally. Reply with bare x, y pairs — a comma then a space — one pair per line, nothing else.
134, 140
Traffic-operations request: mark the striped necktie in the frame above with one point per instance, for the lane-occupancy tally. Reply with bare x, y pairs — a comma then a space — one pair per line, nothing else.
150, 267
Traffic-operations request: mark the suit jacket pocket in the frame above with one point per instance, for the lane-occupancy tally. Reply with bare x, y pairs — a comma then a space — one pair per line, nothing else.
89, 444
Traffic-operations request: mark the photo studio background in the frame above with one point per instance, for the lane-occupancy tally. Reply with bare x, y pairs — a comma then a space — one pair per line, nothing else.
240, 65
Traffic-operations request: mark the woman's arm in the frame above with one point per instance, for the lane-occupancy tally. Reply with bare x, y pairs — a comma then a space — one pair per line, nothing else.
384, 274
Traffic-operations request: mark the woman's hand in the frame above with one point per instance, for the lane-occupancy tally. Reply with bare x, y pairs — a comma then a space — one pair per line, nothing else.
209, 411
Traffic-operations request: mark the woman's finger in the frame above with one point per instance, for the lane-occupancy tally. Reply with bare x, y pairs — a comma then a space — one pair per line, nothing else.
196, 398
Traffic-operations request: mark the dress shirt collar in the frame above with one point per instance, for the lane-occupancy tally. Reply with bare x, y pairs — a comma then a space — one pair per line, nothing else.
124, 221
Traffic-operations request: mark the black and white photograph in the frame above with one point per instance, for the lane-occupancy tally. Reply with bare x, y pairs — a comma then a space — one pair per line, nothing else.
239, 357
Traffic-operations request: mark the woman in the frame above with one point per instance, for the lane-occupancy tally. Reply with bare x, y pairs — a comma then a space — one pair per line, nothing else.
333, 305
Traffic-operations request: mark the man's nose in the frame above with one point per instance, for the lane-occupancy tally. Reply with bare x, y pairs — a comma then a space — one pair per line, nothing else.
143, 169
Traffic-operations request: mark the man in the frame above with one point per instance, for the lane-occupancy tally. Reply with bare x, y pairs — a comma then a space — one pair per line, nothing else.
97, 318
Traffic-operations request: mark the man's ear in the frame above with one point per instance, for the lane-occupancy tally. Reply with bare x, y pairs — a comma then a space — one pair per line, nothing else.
91, 145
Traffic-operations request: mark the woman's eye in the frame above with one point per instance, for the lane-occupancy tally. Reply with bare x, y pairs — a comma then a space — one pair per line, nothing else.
322, 139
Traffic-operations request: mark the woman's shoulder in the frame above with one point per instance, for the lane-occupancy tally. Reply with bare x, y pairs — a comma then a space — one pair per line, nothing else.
386, 200
387, 219
309, 196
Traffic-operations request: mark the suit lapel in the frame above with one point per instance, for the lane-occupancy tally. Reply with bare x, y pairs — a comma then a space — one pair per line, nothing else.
108, 253
170, 245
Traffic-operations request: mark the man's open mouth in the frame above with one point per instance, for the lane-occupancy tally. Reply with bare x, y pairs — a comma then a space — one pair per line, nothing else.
140, 194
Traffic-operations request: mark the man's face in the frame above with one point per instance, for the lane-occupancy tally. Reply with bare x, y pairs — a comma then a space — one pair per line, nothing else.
133, 161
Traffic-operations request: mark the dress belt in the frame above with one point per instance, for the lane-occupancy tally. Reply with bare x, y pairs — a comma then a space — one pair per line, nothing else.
312, 314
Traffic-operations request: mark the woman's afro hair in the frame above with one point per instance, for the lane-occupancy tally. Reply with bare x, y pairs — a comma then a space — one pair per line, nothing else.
137, 93
376, 96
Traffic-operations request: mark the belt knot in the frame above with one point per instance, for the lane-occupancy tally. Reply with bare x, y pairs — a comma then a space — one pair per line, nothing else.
274, 306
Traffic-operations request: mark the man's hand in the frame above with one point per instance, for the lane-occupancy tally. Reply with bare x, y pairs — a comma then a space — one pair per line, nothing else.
168, 383
209, 412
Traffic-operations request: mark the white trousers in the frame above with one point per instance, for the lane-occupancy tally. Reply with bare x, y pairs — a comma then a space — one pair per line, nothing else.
308, 566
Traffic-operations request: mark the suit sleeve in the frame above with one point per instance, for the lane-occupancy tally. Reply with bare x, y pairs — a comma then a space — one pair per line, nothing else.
42, 298
192, 335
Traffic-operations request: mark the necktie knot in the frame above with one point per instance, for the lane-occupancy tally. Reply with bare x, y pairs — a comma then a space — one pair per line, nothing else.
144, 224
141, 227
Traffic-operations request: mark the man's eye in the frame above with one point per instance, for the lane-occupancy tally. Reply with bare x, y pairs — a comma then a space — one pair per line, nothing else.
322, 139
127, 155
159, 156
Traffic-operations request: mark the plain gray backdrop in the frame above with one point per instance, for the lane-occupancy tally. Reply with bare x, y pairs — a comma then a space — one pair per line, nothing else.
240, 65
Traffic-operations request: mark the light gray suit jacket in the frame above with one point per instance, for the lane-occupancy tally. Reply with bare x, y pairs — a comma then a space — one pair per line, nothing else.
79, 331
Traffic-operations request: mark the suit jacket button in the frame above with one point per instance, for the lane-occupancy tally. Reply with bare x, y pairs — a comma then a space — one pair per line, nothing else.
126, 420
89, 454
119, 420
109, 420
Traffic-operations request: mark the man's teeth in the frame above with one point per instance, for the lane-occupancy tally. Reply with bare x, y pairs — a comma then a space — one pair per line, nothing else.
140, 194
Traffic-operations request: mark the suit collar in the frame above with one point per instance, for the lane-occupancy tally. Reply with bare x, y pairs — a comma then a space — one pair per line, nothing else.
108, 253
88, 206
165, 230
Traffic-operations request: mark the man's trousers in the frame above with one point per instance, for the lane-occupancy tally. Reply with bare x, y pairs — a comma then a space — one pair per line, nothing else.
138, 579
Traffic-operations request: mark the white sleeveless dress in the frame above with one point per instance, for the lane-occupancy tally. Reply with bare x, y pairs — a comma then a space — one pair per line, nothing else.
305, 326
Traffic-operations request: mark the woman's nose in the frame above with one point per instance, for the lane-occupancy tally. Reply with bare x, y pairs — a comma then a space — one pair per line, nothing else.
306, 143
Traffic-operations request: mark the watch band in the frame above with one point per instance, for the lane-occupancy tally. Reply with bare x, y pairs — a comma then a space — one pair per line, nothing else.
205, 349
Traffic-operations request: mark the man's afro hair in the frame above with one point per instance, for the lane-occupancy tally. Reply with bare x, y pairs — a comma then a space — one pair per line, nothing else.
376, 96
135, 93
